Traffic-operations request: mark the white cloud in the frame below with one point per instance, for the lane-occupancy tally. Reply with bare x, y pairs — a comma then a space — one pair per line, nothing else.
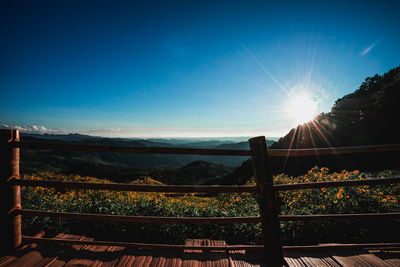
154, 132
35, 129
369, 48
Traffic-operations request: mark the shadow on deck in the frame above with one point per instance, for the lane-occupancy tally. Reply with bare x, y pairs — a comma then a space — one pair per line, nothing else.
92, 255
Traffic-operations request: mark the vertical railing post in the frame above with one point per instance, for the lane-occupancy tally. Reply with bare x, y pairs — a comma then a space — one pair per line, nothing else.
10, 197
268, 203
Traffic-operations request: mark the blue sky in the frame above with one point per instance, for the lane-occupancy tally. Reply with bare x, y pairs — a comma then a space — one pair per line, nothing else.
185, 68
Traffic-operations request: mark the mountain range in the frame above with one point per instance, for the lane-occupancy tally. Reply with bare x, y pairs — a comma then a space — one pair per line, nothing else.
171, 169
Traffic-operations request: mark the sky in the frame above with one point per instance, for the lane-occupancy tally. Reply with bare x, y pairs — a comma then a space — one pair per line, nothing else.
185, 68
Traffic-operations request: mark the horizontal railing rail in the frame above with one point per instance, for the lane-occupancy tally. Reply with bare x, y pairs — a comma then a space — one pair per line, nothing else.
340, 217
133, 150
210, 152
138, 187
29, 239
304, 152
202, 220
340, 183
139, 219
199, 188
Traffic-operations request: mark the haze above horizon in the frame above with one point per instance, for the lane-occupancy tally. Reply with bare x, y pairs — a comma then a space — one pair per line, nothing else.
185, 68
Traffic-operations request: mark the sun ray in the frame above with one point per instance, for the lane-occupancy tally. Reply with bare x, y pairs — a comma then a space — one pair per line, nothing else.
281, 86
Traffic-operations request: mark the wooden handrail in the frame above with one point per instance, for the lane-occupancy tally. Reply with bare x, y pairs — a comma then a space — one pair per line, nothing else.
138, 187
203, 220
138, 219
299, 186
340, 217
342, 246
198, 188
303, 152
29, 239
135, 150
201, 151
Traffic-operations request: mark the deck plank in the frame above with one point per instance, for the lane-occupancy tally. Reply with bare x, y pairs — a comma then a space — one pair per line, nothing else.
310, 258
193, 257
142, 259
356, 257
391, 256
127, 258
174, 259
206, 258
293, 259
68, 252
8, 259
243, 258
217, 257
158, 259
37, 255
94, 255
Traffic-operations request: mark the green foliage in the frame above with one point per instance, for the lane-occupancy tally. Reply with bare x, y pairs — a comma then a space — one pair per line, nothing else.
317, 201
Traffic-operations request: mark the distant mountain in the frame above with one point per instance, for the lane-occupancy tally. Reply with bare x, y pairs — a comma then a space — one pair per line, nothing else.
120, 159
114, 166
234, 146
217, 140
240, 145
177, 169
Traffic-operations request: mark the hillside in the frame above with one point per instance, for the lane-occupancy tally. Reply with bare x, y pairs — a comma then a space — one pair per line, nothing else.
171, 169
368, 116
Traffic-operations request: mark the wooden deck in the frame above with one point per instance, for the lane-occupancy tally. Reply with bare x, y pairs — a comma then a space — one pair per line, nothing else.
90, 255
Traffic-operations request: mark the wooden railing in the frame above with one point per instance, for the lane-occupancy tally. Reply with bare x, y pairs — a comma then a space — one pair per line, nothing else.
265, 191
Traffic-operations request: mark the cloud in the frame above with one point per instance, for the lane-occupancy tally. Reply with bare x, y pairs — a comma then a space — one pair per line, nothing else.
369, 48
154, 132
35, 129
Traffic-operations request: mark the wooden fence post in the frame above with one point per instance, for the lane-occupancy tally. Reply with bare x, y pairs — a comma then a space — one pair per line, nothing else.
273, 255
10, 197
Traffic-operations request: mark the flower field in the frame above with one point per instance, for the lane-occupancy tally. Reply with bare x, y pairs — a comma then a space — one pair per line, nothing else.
361, 199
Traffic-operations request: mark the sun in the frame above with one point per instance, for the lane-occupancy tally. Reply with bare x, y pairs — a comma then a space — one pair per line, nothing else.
301, 108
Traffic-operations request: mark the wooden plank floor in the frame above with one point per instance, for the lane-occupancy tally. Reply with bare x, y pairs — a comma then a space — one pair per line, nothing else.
90, 255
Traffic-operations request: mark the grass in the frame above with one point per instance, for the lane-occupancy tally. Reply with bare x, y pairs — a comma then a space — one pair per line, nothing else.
361, 199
